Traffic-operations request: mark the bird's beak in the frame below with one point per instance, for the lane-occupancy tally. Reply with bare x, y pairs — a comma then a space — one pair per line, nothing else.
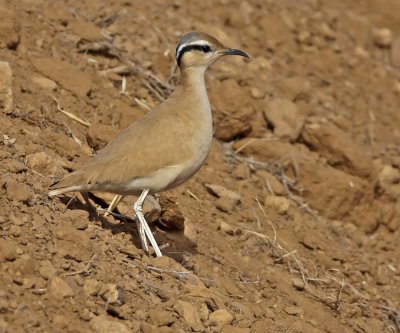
235, 52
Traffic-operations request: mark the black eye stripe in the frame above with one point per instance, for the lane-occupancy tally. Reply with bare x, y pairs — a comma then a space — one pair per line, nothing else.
197, 47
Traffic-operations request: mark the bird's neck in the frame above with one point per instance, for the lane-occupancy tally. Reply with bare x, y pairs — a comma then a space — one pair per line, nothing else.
193, 85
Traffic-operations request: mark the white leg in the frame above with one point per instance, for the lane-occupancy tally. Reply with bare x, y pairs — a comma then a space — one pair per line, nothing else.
144, 229
113, 204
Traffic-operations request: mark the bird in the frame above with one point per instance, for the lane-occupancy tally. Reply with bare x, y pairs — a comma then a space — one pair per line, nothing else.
165, 147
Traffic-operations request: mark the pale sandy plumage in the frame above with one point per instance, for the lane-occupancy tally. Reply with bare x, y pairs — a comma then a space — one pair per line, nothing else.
164, 148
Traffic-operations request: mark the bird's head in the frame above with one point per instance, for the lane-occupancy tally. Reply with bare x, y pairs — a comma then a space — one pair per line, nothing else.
197, 49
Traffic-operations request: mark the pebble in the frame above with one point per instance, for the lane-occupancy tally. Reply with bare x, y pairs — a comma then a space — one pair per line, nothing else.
226, 227
104, 324
298, 283
44, 164
284, 117
79, 219
189, 314
6, 99
294, 311
170, 215
8, 250
18, 191
45, 83
382, 37
161, 317
46, 270
277, 203
91, 287
14, 166
220, 317
222, 192
59, 288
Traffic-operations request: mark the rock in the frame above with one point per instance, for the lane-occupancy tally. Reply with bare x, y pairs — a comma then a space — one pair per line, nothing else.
8, 250
18, 191
67, 75
227, 95
77, 218
46, 269
298, 283
232, 329
222, 192
230, 128
338, 148
85, 30
45, 83
14, 166
220, 317
59, 288
227, 228
382, 37
389, 181
278, 204
6, 98
284, 118
72, 243
104, 324
44, 164
294, 311
265, 150
295, 88
113, 294
189, 314
169, 214
9, 31
91, 287
256, 93
225, 205
99, 135
161, 317
395, 52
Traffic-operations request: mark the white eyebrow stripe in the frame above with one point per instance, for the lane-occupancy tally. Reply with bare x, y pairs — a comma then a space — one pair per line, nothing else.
196, 42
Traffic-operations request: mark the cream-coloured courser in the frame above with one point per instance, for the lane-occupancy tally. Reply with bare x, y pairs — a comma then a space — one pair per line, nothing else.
165, 147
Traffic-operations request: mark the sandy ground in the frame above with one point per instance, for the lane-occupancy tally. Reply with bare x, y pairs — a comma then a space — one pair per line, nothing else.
292, 225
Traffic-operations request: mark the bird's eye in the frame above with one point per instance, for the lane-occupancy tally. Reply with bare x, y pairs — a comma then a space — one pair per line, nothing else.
206, 48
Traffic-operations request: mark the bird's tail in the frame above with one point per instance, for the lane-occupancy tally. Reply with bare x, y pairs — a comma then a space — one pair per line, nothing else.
76, 188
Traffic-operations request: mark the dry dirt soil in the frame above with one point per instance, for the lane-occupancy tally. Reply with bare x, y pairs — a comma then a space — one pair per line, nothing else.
292, 224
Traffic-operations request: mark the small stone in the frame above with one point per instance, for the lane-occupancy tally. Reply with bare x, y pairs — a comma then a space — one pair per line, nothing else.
222, 192
189, 314
44, 164
277, 203
298, 283
59, 288
8, 250
91, 287
294, 311
256, 93
225, 205
227, 228
103, 324
161, 317
152, 209
382, 37
284, 117
220, 317
14, 166
6, 99
18, 191
79, 219
46, 270
45, 83
86, 315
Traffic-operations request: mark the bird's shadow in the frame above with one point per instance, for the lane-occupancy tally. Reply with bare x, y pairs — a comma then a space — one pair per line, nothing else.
173, 243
